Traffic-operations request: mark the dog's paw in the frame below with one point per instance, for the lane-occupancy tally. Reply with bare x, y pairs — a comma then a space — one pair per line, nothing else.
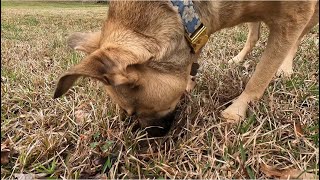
235, 60
231, 117
235, 112
284, 72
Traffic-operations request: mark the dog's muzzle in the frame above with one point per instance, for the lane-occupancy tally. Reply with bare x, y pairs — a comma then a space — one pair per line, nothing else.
158, 127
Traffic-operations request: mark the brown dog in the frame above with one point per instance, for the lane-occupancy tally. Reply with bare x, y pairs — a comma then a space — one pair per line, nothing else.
143, 58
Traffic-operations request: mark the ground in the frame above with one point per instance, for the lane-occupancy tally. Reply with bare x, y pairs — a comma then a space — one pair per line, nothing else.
82, 134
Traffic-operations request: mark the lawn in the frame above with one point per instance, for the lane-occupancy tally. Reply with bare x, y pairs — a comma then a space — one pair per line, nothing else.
84, 135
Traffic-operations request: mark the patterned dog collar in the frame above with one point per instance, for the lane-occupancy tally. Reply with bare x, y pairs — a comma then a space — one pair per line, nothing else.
196, 32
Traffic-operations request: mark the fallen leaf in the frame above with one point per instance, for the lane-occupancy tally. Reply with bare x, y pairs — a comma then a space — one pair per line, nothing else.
5, 156
5, 152
298, 129
286, 173
82, 112
21, 176
80, 116
83, 137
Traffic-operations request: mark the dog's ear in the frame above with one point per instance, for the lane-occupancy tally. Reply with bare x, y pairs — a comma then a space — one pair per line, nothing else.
86, 42
97, 66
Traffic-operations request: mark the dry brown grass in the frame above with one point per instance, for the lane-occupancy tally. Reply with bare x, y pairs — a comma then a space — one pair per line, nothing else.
81, 135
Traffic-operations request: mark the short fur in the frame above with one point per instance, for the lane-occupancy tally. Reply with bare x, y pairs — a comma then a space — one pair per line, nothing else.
144, 60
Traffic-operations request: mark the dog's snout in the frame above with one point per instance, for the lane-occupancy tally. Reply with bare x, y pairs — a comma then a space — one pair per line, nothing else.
158, 127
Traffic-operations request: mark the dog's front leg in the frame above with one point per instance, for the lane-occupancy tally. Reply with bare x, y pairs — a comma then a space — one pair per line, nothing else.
286, 68
280, 41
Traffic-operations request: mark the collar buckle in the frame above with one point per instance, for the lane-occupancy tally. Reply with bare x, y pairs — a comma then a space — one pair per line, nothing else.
198, 39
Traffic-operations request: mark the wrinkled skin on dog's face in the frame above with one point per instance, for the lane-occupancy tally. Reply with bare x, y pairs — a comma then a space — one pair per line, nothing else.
145, 67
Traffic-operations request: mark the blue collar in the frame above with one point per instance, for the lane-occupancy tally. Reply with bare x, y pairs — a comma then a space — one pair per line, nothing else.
196, 32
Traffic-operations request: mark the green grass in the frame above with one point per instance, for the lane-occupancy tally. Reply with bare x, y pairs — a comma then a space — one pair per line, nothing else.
48, 4
240, 37
83, 135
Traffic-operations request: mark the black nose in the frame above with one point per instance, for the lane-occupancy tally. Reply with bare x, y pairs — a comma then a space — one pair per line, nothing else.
159, 127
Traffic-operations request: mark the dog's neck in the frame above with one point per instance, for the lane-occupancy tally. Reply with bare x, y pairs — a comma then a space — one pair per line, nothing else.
157, 25
217, 15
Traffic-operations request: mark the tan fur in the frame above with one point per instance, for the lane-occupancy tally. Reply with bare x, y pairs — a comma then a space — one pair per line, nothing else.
286, 68
144, 59
253, 37
86, 42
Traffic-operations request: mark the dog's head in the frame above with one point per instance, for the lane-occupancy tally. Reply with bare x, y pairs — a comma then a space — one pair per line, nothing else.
141, 56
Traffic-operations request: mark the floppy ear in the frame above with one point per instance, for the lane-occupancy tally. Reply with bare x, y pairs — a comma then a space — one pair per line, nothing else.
86, 42
97, 66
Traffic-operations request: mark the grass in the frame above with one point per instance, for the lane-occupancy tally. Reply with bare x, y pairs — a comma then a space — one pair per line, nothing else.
48, 4
82, 134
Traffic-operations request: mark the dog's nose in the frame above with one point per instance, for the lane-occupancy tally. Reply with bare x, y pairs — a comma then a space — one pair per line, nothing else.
158, 127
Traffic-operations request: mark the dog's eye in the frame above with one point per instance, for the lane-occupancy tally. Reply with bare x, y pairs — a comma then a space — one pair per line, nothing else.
106, 80
133, 86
